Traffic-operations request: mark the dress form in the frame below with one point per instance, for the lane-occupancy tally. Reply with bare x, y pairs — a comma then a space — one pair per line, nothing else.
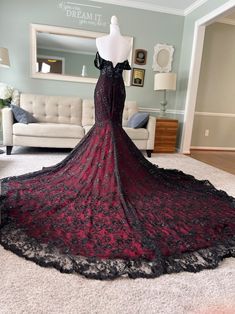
113, 47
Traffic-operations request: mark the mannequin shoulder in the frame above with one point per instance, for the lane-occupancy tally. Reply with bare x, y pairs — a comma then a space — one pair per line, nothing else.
117, 41
101, 40
113, 49
128, 43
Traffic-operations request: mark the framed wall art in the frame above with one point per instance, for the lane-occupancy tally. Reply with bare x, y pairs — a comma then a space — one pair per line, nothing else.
163, 57
138, 77
140, 56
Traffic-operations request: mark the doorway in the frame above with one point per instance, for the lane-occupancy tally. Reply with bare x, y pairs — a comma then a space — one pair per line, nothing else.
198, 41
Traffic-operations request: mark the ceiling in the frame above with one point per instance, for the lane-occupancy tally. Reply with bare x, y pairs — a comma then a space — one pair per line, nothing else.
71, 44
180, 7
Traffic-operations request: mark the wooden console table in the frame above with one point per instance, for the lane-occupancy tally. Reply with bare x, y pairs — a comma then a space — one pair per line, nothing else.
165, 135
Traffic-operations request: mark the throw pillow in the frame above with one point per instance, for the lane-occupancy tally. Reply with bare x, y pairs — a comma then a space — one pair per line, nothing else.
22, 115
138, 120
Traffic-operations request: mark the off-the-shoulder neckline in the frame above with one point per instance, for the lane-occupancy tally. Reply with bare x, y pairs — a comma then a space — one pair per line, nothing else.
111, 61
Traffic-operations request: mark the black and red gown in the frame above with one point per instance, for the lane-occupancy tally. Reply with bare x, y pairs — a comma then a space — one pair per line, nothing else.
106, 211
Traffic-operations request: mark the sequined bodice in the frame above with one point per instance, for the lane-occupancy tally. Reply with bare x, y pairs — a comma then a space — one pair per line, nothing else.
106, 67
110, 92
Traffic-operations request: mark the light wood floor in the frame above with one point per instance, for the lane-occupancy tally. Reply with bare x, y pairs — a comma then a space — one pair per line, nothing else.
220, 159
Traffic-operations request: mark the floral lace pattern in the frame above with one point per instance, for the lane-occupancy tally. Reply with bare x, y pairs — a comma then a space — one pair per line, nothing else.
105, 211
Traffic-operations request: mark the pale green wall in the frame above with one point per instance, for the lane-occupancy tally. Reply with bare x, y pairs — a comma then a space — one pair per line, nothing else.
221, 132
147, 28
216, 92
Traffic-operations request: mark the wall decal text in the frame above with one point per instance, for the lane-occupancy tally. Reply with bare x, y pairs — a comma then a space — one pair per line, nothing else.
85, 14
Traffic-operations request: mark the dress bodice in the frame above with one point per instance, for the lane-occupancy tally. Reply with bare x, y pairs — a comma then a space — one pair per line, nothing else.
106, 67
110, 91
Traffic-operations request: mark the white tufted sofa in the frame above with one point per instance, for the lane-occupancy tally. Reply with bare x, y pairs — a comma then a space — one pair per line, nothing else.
63, 121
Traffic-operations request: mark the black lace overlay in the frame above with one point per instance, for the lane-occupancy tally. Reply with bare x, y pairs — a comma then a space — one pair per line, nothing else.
105, 211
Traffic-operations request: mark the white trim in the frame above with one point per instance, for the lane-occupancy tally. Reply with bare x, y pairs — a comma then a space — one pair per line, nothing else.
143, 6
70, 78
227, 21
212, 148
193, 80
57, 30
154, 7
175, 111
217, 13
84, 5
198, 40
155, 110
194, 6
215, 114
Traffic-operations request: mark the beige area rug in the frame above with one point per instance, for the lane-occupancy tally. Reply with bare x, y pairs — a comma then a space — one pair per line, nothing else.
28, 288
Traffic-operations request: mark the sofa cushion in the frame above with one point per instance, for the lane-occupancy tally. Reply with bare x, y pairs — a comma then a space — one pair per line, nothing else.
48, 130
138, 120
22, 115
130, 109
88, 112
55, 109
137, 134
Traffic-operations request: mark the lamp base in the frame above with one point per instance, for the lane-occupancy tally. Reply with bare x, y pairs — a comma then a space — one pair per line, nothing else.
163, 108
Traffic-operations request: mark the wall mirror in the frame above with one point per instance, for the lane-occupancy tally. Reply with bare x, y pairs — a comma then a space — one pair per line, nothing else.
162, 58
67, 54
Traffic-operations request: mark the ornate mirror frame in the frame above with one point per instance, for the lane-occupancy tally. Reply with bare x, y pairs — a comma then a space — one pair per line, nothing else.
34, 28
168, 51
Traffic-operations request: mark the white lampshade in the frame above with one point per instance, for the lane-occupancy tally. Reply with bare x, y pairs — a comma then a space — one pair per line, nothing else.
4, 58
165, 81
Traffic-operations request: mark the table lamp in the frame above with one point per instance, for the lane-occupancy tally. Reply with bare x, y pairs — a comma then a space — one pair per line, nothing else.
4, 62
164, 81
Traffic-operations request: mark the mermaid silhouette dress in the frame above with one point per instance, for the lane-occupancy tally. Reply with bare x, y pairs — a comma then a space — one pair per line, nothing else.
105, 211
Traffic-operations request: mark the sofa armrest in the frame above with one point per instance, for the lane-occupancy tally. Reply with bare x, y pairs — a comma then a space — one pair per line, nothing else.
151, 129
7, 126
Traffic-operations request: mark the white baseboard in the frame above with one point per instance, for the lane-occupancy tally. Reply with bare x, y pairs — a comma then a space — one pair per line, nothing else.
212, 148
215, 114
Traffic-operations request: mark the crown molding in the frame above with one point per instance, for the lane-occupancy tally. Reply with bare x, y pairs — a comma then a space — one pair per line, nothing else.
152, 7
143, 6
194, 6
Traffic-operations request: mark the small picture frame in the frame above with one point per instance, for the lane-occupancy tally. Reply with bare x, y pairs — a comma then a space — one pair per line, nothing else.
140, 56
138, 77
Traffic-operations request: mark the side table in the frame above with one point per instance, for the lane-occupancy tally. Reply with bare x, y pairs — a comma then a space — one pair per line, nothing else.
165, 135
